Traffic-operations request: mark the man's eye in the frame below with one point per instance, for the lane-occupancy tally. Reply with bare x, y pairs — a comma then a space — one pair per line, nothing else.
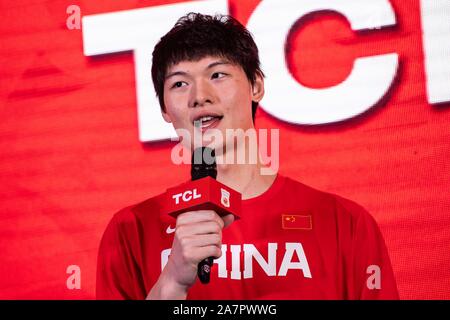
217, 75
178, 84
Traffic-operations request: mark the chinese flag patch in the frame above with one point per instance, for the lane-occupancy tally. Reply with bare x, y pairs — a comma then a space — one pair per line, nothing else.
294, 221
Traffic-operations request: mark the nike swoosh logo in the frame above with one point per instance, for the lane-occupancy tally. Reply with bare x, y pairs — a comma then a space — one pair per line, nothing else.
170, 230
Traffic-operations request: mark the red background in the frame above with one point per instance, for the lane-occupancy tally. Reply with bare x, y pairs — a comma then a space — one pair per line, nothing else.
70, 155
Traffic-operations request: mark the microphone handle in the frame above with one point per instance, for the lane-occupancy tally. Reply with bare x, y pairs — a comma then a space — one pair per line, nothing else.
204, 269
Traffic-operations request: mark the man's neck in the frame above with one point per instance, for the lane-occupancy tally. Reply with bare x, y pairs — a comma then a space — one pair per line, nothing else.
245, 178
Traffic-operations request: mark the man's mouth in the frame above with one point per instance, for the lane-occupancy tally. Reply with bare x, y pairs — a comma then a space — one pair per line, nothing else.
207, 122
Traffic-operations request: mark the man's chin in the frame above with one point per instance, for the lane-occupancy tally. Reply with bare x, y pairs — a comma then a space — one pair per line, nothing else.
211, 138
218, 147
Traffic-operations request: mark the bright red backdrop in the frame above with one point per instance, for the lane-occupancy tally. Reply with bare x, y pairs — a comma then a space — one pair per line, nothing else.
70, 155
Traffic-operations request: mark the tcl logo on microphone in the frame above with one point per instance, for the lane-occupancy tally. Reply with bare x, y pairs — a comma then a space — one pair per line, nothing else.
186, 196
202, 194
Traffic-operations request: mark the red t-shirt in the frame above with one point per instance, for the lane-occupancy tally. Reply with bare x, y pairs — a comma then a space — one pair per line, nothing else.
292, 242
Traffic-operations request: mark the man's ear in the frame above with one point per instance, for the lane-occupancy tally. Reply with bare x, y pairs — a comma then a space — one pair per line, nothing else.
166, 116
258, 88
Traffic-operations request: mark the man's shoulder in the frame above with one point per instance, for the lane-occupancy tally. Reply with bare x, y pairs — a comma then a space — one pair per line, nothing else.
303, 192
325, 200
136, 211
295, 186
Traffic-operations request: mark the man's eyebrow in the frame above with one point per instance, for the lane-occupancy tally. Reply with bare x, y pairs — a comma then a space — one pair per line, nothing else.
176, 73
211, 65
216, 63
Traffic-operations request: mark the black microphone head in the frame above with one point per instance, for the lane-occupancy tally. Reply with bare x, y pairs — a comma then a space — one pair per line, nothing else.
203, 163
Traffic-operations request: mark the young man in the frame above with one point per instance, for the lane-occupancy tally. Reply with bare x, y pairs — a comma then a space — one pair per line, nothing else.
292, 241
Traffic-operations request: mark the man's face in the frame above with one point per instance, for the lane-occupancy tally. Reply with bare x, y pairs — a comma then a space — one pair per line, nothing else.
211, 93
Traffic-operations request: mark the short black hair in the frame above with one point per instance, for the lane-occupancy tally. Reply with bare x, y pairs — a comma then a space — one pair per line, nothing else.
195, 36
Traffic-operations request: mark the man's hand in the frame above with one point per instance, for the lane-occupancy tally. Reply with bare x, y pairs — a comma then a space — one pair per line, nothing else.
198, 235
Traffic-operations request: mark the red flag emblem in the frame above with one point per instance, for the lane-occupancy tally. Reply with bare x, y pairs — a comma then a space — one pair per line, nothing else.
294, 221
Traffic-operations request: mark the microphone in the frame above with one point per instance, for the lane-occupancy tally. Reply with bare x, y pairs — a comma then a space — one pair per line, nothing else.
201, 168
203, 192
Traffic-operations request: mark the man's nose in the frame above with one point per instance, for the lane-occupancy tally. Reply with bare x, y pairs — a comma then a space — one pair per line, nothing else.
201, 94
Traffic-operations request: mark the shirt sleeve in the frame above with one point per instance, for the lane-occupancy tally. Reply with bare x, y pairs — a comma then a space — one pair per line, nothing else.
370, 275
118, 273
